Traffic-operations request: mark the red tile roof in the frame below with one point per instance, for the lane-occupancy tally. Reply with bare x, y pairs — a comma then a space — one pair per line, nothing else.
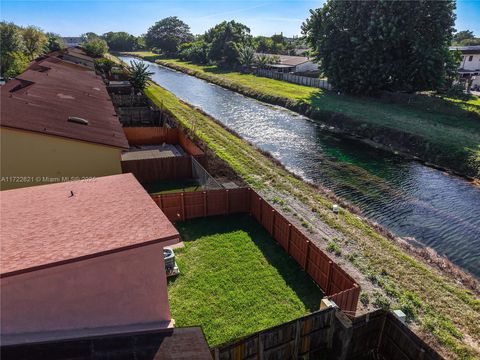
44, 226
52, 90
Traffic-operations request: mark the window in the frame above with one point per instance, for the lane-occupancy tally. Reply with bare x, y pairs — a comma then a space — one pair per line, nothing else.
470, 58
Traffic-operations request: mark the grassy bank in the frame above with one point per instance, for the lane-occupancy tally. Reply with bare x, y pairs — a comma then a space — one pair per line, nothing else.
437, 305
235, 280
443, 132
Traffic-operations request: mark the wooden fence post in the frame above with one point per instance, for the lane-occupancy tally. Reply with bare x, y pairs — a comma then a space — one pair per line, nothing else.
183, 206
273, 221
297, 339
289, 237
204, 204
227, 196
260, 347
261, 210
329, 277
307, 253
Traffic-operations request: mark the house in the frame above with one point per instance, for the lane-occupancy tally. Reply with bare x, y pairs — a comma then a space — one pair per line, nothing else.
70, 41
57, 123
78, 56
288, 63
82, 259
469, 67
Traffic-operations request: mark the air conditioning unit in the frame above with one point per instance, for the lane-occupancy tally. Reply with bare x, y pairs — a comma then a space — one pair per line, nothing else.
171, 267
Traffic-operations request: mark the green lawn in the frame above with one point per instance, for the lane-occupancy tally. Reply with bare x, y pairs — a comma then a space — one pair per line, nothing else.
235, 279
453, 127
172, 186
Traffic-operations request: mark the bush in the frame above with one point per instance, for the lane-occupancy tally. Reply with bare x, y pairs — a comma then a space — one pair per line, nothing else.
104, 65
364, 299
95, 47
457, 91
381, 301
334, 248
195, 52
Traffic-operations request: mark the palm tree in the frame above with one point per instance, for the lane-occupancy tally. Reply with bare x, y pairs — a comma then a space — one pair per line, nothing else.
246, 55
138, 75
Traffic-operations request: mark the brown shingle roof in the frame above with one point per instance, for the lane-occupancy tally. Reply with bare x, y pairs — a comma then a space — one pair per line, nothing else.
44, 226
52, 90
290, 60
79, 53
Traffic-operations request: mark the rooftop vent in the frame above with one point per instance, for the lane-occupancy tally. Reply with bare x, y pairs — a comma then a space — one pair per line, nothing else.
77, 120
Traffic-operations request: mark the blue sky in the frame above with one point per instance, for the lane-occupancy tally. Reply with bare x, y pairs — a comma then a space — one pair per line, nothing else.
74, 17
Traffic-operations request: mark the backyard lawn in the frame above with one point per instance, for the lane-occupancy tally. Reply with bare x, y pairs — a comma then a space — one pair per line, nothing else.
235, 279
172, 186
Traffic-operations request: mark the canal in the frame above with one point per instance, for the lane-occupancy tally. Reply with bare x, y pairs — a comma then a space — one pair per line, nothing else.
411, 200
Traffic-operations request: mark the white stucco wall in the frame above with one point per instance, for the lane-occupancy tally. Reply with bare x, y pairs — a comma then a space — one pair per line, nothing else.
473, 64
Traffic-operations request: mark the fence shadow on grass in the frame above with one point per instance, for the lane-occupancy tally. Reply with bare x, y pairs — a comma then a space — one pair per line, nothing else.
293, 275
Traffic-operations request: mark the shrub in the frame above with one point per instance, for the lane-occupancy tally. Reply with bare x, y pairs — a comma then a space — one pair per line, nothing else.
95, 47
334, 248
381, 301
364, 299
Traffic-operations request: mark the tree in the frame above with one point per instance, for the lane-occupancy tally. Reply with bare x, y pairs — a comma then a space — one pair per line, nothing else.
463, 35
95, 47
246, 55
11, 38
14, 63
196, 52
12, 48
470, 42
264, 44
167, 34
89, 36
35, 41
120, 41
368, 46
54, 43
138, 75
225, 39
262, 60
140, 42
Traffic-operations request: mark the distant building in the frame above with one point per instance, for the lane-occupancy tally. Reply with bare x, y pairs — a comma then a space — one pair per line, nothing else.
82, 258
469, 67
289, 64
57, 123
72, 40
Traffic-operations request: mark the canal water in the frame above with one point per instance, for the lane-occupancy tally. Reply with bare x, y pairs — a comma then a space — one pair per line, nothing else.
411, 200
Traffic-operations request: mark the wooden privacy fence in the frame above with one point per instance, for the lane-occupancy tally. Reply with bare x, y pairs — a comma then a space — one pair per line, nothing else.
328, 334
382, 333
166, 168
160, 135
332, 279
295, 79
307, 337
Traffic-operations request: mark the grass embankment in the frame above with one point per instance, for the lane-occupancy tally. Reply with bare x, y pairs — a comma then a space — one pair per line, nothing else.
443, 132
438, 305
235, 280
